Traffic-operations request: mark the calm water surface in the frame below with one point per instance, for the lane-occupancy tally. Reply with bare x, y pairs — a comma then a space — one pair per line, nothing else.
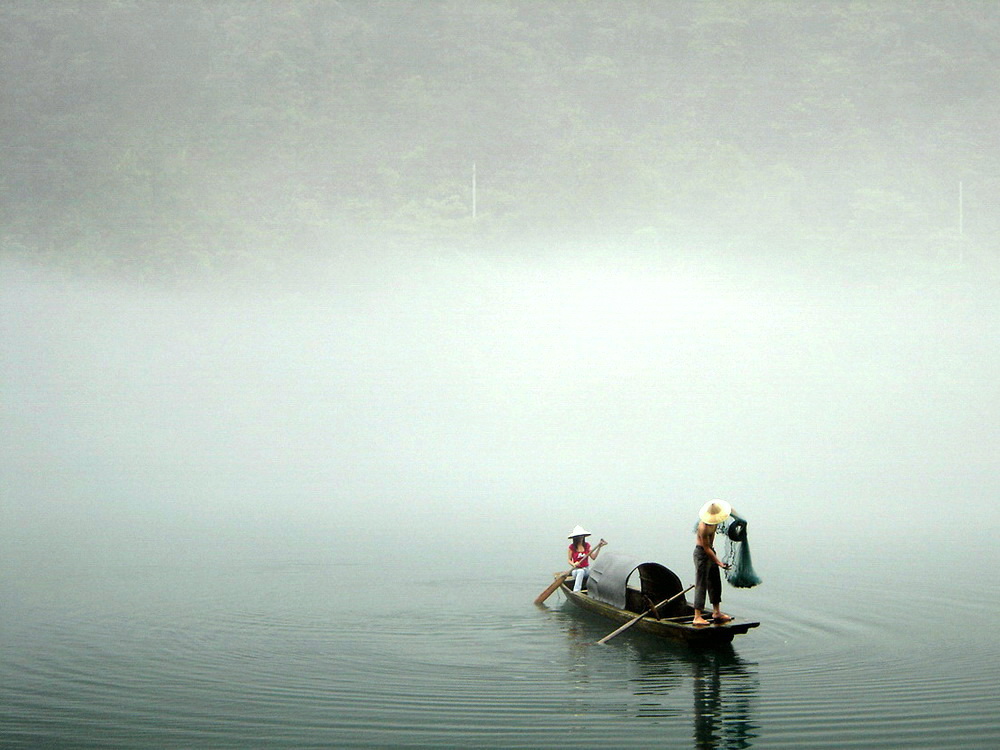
286, 653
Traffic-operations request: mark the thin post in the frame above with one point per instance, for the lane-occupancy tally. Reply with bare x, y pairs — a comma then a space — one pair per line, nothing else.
961, 210
961, 224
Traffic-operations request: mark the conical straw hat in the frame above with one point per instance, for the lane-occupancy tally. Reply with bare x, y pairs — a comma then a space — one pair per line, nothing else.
715, 511
578, 531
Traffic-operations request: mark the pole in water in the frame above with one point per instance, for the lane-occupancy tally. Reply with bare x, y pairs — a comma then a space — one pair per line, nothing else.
961, 223
960, 209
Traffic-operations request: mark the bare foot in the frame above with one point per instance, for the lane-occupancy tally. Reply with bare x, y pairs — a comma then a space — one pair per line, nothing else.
722, 618
699, 621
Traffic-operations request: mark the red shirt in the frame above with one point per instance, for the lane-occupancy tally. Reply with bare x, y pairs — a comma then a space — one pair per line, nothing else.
582, 558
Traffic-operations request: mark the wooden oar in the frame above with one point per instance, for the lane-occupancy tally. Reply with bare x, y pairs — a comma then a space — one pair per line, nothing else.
636, 619
560, 577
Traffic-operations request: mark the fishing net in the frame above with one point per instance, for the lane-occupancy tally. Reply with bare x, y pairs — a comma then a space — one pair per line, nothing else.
740, 572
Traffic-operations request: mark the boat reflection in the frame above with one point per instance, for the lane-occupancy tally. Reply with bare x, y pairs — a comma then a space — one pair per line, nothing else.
658, 674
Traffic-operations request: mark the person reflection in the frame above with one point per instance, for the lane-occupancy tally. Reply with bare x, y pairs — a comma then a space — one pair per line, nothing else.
722, 701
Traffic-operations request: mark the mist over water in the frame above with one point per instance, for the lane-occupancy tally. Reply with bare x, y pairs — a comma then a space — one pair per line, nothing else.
447, 401
322, 324
317, 510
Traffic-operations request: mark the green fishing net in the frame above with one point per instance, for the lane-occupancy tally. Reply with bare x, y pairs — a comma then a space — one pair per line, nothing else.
740, 572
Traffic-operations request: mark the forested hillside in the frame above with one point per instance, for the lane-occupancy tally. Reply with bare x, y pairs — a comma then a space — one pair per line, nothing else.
173, 135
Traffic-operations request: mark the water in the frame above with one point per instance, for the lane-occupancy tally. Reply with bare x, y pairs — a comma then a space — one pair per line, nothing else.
318, 517
295, 653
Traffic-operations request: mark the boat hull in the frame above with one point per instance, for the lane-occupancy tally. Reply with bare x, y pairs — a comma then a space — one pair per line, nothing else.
675, 629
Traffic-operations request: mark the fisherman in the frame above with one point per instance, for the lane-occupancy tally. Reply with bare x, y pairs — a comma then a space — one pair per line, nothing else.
707, 579
580, 555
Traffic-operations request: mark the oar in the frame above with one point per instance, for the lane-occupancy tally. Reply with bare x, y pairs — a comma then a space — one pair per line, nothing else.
636, 619
560, 577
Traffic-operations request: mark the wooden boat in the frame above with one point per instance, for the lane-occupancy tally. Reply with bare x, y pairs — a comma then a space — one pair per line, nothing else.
621, 587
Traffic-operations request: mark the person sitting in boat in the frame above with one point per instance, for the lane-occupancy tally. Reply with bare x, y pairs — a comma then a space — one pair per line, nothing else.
580, 555
707, 579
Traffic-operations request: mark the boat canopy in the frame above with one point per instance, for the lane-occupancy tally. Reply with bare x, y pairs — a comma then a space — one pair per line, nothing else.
609, 583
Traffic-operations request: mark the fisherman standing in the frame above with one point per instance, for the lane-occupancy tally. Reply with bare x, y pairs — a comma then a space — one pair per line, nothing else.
707, 579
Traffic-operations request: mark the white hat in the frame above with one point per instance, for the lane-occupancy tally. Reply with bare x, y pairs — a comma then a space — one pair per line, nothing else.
715, 511
578, 531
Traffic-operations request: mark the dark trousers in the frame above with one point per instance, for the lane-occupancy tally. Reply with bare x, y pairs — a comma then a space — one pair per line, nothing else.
706, 579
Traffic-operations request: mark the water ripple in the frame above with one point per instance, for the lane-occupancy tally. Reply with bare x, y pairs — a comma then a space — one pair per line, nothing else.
234, 668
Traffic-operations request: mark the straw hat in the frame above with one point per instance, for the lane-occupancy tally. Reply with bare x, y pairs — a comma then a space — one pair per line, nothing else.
578, 531
715, 511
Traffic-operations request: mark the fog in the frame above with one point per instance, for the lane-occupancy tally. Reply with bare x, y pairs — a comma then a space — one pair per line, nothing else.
427, 282
455, 404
